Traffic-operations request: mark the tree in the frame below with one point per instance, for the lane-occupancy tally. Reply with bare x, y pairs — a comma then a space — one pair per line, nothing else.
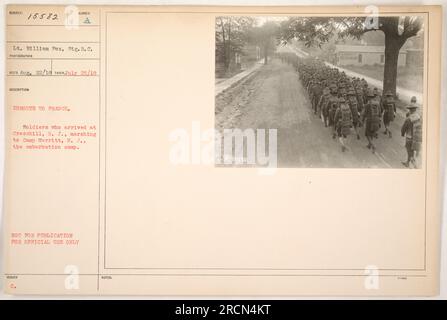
317, 30
231, 35
265, 37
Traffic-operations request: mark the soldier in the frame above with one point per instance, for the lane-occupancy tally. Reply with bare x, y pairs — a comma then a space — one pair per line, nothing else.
342, 92
413, 102
332, 105
353, 104
389, 111
323, 101
365, 90
317, 91
412, 131
359, 96
371, 114
341, 85
343, 122
378, 97
309, 84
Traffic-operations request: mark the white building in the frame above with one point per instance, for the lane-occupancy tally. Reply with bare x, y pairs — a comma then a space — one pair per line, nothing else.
364, 55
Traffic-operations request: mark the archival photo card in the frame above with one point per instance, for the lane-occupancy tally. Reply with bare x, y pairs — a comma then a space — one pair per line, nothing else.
222, 150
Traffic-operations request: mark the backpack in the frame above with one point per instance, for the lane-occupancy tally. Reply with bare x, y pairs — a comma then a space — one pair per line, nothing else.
389, 109
375, 110
326, 106
360, 97
333, 103
346, 115
374, 120
353, 104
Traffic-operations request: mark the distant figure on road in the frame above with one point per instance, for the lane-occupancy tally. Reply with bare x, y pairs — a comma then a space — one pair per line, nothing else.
389, 111
412, 131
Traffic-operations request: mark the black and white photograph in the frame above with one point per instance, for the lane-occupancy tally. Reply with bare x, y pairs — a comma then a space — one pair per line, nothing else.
320, 91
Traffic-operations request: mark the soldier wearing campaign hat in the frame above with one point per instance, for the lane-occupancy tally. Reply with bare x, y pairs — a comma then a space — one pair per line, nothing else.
412, 131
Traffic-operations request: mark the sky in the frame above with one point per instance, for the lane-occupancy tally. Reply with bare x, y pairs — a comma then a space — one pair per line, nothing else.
261, 20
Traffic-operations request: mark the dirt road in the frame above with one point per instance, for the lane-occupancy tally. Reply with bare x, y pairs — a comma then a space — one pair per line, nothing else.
273, 98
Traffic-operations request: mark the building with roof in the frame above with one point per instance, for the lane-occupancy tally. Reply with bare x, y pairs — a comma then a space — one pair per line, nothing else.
361, 55
415, 57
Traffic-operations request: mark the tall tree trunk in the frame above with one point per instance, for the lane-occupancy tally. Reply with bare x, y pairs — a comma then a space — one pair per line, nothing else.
229, 54
266, 49
392, 47
224, 43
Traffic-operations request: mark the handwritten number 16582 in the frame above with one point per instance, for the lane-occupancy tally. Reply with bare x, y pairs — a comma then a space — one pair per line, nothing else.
42, 16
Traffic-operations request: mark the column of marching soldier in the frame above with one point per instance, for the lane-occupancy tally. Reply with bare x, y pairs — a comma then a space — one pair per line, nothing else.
346, 103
